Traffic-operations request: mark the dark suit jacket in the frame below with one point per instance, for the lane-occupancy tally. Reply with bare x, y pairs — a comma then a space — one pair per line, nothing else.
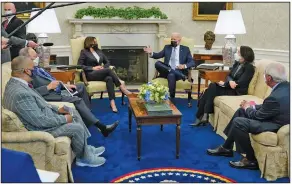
275, 108
88, 61
242, 77
13, 24
185, 56
40, 85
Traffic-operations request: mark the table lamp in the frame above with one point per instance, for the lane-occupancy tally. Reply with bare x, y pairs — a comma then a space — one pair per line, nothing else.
45, 23
229, 22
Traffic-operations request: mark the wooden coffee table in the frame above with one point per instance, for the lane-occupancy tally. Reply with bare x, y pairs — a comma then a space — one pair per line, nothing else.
137, 107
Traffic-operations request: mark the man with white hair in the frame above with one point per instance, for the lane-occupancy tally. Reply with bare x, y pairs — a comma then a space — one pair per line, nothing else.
10, 24
250, 118
177, 61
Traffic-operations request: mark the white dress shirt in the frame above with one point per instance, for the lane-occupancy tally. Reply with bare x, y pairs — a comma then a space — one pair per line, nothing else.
96, 56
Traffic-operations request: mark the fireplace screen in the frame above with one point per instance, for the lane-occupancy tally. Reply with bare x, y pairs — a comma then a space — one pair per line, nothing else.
131, 63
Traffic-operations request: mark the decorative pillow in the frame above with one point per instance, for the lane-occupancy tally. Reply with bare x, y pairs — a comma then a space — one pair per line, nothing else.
10, 122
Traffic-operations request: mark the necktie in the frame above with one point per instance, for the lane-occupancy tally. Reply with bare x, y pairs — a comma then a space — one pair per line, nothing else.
173, 58
5, 24
30, 85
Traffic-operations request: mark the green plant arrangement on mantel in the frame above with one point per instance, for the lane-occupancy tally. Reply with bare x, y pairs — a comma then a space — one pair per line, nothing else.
122, 13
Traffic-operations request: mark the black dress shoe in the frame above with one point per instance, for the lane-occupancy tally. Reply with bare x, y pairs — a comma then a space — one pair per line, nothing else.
244, 163
109, 129
220, 151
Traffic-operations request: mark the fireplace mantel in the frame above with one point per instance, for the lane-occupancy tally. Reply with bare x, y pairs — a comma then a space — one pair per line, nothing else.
124, 33
83, 27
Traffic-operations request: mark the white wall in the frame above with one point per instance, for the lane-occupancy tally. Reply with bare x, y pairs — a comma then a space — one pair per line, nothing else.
267, 24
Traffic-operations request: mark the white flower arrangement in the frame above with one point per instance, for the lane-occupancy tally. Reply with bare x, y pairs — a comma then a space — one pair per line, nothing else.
153, 92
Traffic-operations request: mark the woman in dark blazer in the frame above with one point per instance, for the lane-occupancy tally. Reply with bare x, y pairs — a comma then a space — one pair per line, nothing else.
236, 83
91, 58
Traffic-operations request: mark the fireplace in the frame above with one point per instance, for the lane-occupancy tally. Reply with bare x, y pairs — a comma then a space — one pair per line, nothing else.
131, 63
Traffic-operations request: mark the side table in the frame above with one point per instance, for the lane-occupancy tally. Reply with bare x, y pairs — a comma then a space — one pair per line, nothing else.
64, 75
212, 75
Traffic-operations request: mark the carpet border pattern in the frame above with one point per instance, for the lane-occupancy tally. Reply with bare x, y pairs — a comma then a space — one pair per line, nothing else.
130, 175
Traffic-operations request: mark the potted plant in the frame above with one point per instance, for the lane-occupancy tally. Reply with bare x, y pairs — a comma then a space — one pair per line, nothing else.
120, 13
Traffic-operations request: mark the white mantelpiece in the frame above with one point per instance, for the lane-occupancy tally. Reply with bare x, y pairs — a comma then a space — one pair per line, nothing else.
122, 32
139, 26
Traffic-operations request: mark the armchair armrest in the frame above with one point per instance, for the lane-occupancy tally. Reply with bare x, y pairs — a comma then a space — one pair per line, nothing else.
28, 142
283, 136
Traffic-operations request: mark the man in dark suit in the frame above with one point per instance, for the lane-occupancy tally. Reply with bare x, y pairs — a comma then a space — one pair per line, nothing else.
47, 86
177, 61
12, 41
270, 116
10, 24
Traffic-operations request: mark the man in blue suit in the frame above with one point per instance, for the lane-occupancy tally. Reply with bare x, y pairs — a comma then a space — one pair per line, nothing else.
177, 61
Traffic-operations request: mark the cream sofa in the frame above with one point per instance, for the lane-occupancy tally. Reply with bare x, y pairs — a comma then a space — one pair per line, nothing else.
271, 149
48, 153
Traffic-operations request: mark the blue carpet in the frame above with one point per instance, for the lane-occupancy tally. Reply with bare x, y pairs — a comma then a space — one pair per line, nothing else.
158, 149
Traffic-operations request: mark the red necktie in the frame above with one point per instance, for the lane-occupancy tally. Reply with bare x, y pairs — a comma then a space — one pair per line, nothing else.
30, 85
5, 24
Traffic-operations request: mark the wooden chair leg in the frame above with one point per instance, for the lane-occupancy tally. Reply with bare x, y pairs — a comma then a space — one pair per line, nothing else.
189, 98
101, 94
123, 97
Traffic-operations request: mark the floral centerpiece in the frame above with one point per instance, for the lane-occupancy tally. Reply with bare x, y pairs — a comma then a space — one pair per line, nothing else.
153, 93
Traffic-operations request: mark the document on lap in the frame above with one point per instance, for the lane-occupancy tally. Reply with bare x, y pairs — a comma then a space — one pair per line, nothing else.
71, 93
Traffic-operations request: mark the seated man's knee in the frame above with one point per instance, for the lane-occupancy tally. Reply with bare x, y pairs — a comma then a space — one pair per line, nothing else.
76, 128
241, 123
158, 64
80, 87
108, 79
212, 85
171, 75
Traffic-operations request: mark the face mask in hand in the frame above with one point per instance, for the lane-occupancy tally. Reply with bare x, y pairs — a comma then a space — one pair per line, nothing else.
36, 61
173, 43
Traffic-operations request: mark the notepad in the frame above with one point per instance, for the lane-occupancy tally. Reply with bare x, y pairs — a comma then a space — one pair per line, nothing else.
47, 176
71, 93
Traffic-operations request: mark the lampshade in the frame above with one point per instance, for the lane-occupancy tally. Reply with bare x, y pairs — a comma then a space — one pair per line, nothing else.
47, 22
230, 22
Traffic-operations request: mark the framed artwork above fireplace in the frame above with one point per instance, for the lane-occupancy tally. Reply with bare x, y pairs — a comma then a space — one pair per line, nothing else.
209, 11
